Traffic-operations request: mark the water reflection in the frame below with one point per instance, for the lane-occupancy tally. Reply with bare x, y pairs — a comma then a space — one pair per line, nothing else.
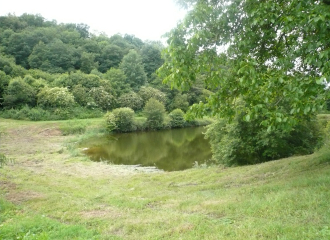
170, 150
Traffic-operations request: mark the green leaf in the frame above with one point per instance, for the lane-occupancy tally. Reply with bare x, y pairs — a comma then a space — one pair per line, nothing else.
320, 81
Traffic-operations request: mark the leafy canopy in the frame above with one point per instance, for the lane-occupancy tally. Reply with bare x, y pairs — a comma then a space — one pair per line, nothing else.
273, 55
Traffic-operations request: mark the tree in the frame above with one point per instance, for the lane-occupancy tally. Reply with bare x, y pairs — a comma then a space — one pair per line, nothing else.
88, 62
151, 58
267, 74
262, 61
117, 81
19, 47
132, 66
21, 44
18, 94
55, 57
32, 20
155, 113
83, 30
121, 42
111, 56
4, 81
137, 42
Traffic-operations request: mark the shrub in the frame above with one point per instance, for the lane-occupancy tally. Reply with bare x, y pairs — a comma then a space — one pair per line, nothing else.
131, 100
120, 120
148, 92
69, 80
110, 121
19, 93
180, 101
177, 118
4, 81
155, 113
241, 142
102, 98
57, 97
39, 114
80, 94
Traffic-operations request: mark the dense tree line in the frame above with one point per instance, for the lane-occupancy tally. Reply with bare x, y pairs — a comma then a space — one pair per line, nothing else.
48, 68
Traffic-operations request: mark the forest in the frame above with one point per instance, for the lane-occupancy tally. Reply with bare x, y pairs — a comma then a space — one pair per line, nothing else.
51, 71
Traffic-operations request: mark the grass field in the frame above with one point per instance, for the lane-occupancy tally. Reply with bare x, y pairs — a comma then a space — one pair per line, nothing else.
49, 190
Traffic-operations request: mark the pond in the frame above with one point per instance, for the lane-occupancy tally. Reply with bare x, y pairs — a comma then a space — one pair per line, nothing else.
168, 150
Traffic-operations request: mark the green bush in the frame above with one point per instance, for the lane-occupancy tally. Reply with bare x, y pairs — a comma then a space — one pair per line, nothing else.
39, 114
4, 81
19, 93
102, 98
80, 94
240, 142
148, 92
177, 118
180, 101
57, 97
130, 100
155, 113
120, 120
110, 121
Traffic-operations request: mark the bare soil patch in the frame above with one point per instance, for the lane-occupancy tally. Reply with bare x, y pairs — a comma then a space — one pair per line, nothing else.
23, 196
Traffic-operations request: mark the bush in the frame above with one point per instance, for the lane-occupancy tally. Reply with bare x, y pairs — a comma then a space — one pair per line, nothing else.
102, 98
177, 118
148, 92
110, 120
80, 94
4, 81
56, 97
241, 142
131, 100
120, 120
19, 93
39, 114
180, 101
155, 113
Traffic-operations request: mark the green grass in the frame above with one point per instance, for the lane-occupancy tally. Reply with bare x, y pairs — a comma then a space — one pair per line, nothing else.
48, 193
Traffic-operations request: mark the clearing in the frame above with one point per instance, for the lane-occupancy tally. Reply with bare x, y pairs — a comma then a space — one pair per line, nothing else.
49, 190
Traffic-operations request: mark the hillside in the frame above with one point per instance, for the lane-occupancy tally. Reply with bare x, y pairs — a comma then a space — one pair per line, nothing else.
51, 191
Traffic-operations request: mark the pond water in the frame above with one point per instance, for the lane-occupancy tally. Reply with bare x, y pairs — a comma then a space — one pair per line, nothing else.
169, 150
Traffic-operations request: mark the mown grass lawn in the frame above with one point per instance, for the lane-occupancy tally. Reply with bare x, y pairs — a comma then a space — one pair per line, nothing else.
51, 191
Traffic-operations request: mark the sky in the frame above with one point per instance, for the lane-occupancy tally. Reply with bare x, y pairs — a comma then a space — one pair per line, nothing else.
146, 19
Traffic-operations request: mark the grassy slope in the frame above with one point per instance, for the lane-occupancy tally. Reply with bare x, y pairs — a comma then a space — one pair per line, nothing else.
52, 192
